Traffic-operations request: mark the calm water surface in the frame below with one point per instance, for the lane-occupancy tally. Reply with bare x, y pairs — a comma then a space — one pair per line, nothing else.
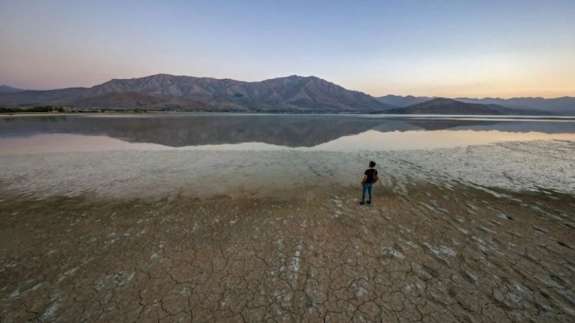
37, 134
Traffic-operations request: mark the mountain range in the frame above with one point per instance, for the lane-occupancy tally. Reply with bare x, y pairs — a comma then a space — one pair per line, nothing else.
561, 105
291, 94
285, 94
450, 106
9, 89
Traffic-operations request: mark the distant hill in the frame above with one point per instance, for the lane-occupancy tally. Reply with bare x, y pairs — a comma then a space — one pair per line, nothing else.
162, 91
450, 106
402, 101
9, 89
562, 105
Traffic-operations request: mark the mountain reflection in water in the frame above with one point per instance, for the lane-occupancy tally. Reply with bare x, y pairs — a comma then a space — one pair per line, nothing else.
286, 131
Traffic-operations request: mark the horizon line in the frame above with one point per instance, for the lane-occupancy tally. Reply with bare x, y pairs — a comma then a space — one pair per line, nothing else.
302, 76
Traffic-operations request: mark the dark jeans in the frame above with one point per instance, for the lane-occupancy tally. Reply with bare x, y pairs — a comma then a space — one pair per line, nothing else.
366, 189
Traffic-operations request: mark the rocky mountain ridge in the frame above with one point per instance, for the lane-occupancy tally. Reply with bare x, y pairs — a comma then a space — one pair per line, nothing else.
162, 91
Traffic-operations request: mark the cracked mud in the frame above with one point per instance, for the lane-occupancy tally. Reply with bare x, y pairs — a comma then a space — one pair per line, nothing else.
429, 249
432, 254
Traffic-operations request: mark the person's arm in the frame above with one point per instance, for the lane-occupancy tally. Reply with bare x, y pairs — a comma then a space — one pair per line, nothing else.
364, 179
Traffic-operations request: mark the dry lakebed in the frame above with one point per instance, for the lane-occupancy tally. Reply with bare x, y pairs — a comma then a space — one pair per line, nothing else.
468, 234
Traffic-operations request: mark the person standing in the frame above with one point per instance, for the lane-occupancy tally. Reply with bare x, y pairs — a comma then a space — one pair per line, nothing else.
369, 178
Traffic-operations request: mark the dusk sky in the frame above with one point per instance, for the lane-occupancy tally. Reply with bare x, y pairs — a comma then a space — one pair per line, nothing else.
437, 48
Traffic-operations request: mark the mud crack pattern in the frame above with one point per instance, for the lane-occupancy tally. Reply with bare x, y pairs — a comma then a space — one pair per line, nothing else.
421, 253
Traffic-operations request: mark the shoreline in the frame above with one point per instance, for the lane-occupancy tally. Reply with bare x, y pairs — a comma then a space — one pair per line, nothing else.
516, 166
118, 113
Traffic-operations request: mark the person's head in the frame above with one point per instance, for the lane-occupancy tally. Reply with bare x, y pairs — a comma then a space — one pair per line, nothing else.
371, 164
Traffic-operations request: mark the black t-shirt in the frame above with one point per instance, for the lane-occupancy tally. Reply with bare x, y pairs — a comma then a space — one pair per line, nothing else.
371, 175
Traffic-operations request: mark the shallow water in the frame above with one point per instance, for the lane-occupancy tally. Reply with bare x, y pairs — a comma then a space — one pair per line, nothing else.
39, 134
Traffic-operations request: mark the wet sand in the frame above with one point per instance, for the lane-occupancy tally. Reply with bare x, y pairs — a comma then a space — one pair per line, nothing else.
279, 236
